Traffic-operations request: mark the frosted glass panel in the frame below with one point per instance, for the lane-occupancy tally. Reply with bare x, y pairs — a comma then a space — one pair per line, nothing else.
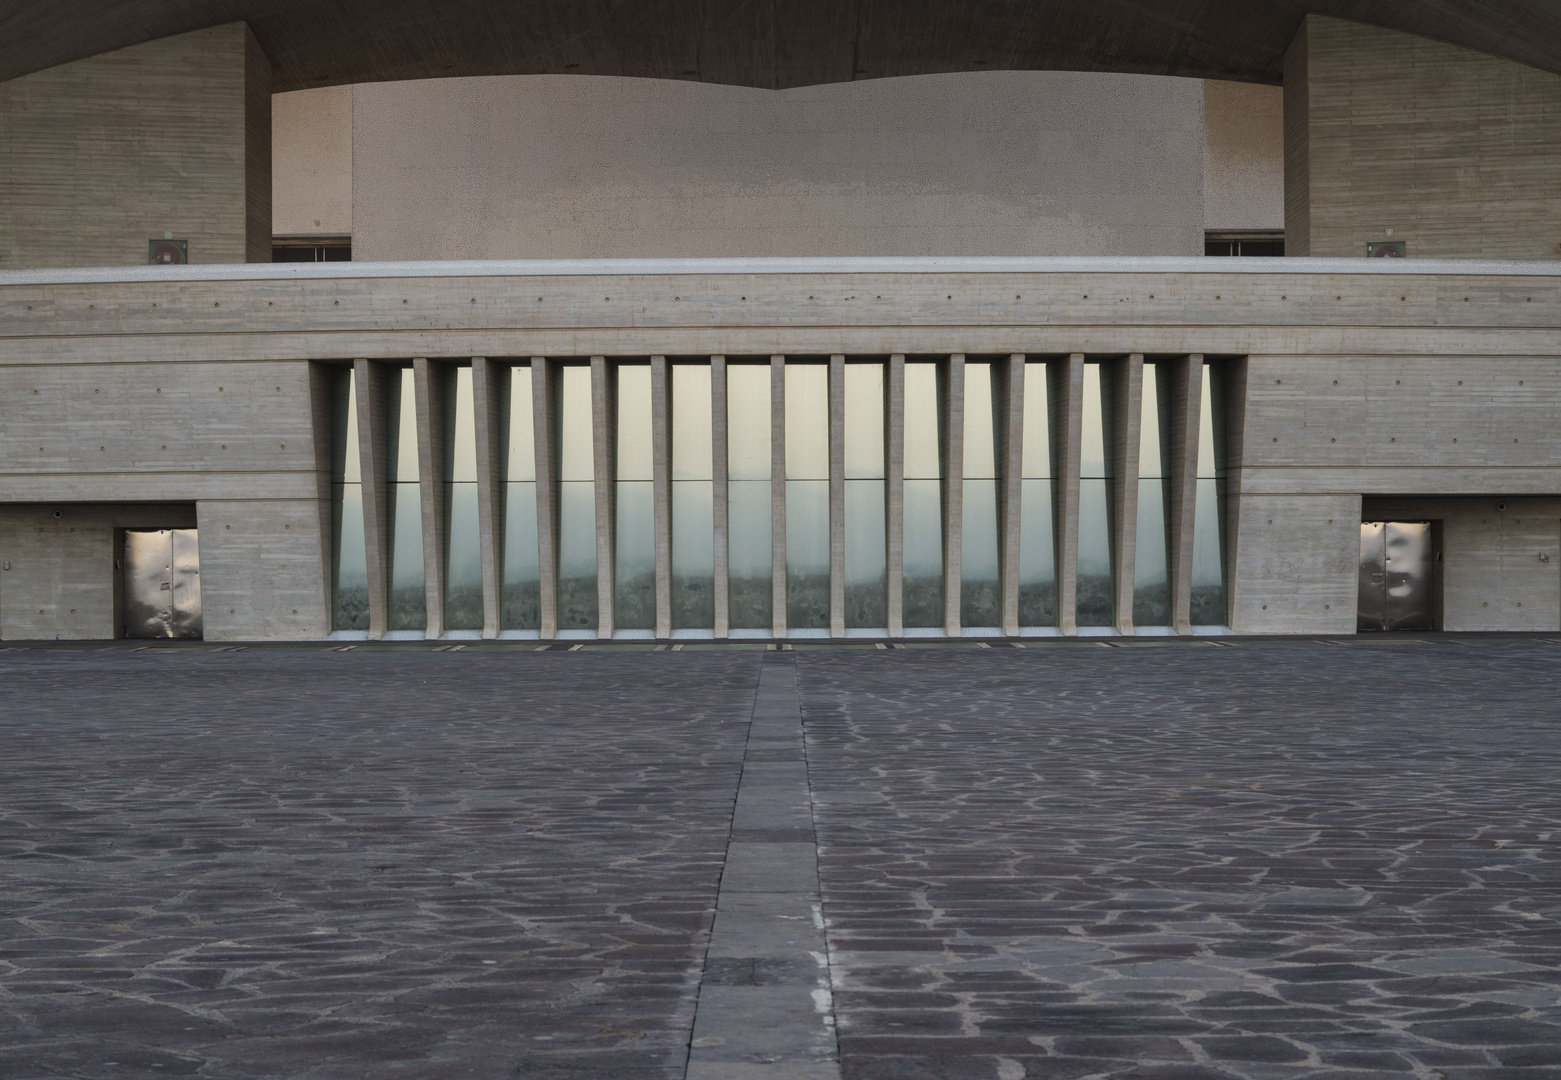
923, 452
1149, 448
635, 551
1151, 584
408, 602
693, 554
1094, 581
634, 435
1093, 462
462, 432
748, 422
1036, 453
350, 598
980, 421
807, 552
463, 571
522, 459
923, 580
1037, 558
980, 601
692, 442
749, 565
577, 609
864, 437
521, 601
866, 556
575, 461
807, 422
344, 427
1208, 562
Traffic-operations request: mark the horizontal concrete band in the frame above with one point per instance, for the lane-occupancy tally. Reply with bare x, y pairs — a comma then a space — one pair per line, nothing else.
461, 268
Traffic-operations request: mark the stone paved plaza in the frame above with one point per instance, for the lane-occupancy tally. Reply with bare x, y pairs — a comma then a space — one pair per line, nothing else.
1258, 859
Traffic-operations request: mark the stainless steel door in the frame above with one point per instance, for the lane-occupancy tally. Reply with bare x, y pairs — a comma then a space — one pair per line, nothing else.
1396, 576
162, 583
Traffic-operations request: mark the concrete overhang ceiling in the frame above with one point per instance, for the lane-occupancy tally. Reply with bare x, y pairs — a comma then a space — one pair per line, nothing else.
764, 43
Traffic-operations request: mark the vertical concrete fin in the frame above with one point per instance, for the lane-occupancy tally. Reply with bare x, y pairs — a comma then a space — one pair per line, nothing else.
778, 496
1298, 127
257, 151
661, 476
837, 496
1127, 400
894, 492
720, 509
373, 386
1181, 471
544, 426
1067, 407
490, 414
1235, 394
603, 460
322, 403
429, 383
952, 407
1010, 489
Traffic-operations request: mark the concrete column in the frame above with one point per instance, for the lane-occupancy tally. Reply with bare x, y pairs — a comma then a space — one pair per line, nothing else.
953, 409
661, 477
894, 491
1127, 399
1010, 490
544, 426
778, 496
1186, 390
603, 444
322, 388
1067, 400
1235, 445
720, 511
837, 496
490, 414
429, 387
373, 390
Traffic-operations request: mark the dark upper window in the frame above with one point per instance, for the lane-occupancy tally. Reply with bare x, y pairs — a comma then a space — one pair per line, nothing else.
311, 249
1248, 244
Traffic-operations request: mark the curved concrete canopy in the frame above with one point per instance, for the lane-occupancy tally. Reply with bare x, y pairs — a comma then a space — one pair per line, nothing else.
763, 43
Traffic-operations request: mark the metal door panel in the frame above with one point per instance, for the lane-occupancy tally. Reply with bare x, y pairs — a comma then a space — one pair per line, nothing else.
1373, 577
148, 562
1408, 600
186, 583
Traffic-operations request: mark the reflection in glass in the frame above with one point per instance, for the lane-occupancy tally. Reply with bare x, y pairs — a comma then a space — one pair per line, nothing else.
748, 495
463, 567
1208, 564
408, 602
923, 543
1151, 583
807, 496
349, 566
577, 609
980, 599
693, 507
866, 570
634, 589
1094, 606
520, 607
1037, 559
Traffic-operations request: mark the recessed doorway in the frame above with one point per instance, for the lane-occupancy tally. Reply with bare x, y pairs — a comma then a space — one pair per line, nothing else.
162, 583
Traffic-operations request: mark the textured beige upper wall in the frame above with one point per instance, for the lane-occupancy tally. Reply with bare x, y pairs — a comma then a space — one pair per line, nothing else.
1457, 152
1243, 156
1038, 163
99, 156
311, 154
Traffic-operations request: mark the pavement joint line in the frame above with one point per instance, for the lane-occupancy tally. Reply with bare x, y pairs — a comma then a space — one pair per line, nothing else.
765, 1006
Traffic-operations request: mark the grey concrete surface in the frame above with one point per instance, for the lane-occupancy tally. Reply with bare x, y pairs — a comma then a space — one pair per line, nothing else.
1261, 860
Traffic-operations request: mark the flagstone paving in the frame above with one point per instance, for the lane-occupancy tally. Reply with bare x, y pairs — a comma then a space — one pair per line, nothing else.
1263, 862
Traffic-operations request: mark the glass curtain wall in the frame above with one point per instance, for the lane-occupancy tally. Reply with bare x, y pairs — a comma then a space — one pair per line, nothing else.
1037, 540
408, 601
521, 607
923, 544
634, 590
463, 565
349, 566
577, 609
748, 494
693, 493
980, 596
1094, 580
1151, 581
867, 603
1208, 548
807, 496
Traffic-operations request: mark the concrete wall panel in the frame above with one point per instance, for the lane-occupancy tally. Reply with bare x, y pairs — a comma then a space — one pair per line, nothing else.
261, 569
1298, 564
99, 156
1062, 163
311, 154
1243, 156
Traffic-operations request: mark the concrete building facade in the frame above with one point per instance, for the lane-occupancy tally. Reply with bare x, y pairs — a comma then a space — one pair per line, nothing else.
932, 355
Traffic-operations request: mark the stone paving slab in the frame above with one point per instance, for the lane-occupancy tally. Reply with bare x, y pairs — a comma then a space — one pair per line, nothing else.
1262, 861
